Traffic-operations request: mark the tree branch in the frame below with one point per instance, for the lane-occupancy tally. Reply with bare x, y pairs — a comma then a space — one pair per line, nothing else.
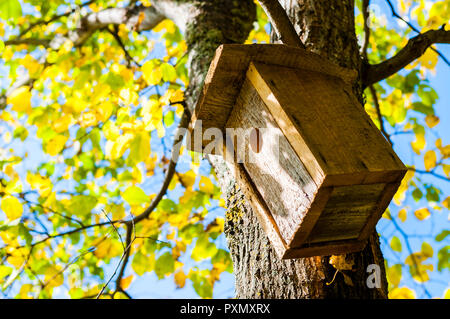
281, 23
429, 173
139, 18
365, 13
414, 49
179, 135
116, 36
395, 14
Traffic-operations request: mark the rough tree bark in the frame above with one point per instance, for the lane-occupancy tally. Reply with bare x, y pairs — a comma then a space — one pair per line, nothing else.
327, 28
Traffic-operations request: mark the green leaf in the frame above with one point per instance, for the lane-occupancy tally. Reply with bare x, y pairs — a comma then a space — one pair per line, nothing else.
394, 274
222, 256
5, 271
164, 265
168, 72
201, 285
442, 235
142, 264
134, 195
432, 194
417, 194
444, 258
422, 108
140, 148
427, 250
169, 118
190, 231
203, 248
10, 9
396, 244
82, 205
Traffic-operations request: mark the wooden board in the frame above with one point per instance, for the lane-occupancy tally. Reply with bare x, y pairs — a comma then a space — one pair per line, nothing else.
327, 127
346, 212
280, 177
227, 72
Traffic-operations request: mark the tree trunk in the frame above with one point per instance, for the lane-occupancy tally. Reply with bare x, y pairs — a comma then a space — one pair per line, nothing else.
327, 28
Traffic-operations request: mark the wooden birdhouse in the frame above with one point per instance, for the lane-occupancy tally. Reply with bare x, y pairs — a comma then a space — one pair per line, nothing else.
321, 174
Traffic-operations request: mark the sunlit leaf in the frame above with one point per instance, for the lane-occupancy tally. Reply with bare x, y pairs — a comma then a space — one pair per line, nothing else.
396, 244
134, 195
402, 293
12, 207
422, 213
430, 160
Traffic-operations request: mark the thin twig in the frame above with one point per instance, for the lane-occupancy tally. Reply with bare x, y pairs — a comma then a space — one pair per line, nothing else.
116, 36
429, 173
395, 14
413, 257
373, 92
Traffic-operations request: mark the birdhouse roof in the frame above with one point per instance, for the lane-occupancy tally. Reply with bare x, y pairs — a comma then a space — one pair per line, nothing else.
229, 66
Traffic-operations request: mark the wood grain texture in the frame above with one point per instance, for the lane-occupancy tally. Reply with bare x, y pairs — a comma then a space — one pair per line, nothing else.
227, 72
327, 127
346, 212
383, 202
279, 176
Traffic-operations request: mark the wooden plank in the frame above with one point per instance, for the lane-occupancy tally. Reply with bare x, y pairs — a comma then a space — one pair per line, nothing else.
259, 207
387, 194
227, 72
346, 212
304, 229
298, 140
325, 249
279, 176
319, 113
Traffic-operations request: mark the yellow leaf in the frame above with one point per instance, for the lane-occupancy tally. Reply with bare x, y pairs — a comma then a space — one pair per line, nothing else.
31, 64
56, 145
120, 145
12, 207
431, 120
62, 123
402, 293
111, 131
422, 213
447, 293
16, 261
430, 160
53, 277
446, 202
438, 142
88, 119
165, 24
340, 262
402, 214
180, 279
20, 100
107, 248
206, 185
41, 183
104, 111
125, 282
24, 290
151, 72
